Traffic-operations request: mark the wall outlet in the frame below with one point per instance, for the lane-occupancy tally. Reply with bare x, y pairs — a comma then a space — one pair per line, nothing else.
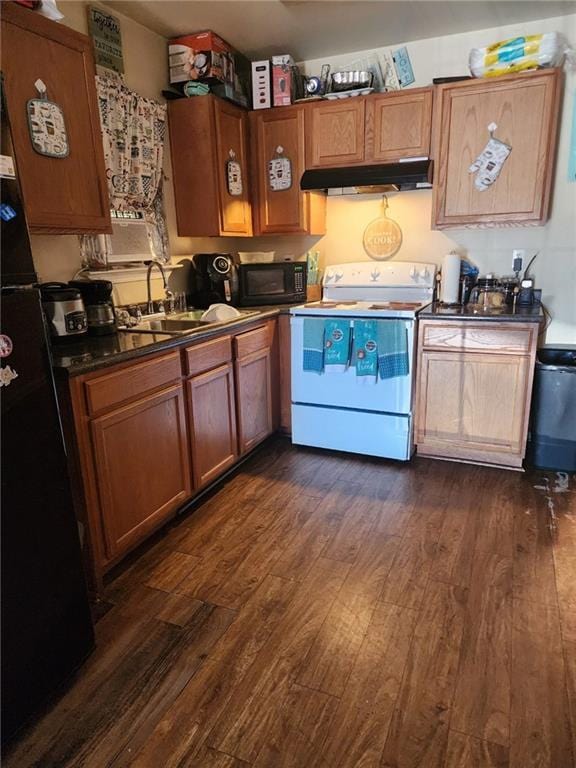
518, 259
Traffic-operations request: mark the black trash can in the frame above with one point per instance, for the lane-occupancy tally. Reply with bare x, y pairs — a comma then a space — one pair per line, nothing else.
553, 420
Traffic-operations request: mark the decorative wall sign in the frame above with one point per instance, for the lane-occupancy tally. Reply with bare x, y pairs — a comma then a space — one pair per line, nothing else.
46, 125
489, 162
403, 67
104, 29
382, 237
234, 175
279, 171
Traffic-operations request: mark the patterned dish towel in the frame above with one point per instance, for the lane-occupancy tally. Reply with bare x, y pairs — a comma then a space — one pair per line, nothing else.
336, 345
313, 357
365, 348
392, 349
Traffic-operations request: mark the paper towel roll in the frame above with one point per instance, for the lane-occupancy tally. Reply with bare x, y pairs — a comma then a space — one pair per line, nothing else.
450, 279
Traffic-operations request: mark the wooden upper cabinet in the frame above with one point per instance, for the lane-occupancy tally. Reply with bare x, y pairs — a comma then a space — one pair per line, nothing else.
231, 148
525, 110
335, 133
61, 195
398, 125
276, 134
208, 139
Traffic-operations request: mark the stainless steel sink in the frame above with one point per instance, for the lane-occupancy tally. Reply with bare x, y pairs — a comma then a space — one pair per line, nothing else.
180, 323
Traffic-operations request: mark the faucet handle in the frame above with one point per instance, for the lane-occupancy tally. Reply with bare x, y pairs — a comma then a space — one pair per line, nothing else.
171, 301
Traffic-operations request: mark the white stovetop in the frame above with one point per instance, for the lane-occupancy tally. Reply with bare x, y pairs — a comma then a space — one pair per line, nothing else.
374, 289
373, 309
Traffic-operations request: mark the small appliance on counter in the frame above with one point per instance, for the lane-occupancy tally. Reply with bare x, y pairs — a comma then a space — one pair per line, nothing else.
282, 282
97, 297
487, 293
64, 310
213, 280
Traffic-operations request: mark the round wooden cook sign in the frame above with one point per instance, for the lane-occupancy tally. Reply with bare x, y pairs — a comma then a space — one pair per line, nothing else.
382, 238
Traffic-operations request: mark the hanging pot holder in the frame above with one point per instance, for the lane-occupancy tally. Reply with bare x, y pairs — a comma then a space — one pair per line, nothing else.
279, 172
47, 126
234, 175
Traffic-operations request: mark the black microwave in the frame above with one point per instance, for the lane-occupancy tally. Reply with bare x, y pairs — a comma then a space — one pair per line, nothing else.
282, 282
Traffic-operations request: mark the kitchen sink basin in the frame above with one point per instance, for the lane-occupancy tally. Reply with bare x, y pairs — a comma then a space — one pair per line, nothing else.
180, 323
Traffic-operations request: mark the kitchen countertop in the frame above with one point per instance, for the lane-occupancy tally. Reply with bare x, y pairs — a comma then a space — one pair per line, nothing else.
437, 311
90, 353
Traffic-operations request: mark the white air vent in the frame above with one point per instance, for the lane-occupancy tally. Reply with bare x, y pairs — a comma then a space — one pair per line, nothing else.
130, 241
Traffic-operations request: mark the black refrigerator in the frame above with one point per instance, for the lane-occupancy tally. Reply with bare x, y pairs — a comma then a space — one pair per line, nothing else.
46, 629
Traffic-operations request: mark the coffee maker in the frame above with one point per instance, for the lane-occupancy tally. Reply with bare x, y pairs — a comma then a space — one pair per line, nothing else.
97, 297
213, 280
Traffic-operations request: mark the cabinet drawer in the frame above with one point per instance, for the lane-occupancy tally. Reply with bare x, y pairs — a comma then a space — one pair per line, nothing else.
493, 337
110, 390
204, 357
252, 341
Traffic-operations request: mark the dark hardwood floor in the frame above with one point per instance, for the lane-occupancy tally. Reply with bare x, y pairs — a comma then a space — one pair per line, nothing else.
330, 611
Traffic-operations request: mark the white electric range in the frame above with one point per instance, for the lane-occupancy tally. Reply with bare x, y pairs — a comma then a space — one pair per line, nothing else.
340, 410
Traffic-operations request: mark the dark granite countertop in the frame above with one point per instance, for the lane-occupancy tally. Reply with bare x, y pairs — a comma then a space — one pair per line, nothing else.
437, 311
91, 353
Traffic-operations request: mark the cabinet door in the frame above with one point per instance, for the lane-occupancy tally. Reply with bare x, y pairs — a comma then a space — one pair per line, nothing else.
399, 125
254, 398
473, 405
525, 111
278, 135
335, 133
212, 423
231, 157
142, 467
62, 195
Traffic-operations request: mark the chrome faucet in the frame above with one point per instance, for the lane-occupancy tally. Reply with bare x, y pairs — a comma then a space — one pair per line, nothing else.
168, 293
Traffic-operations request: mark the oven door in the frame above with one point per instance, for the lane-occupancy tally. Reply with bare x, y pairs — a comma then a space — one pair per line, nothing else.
345, 389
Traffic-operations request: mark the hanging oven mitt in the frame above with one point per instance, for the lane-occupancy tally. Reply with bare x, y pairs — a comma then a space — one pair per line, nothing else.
489, 162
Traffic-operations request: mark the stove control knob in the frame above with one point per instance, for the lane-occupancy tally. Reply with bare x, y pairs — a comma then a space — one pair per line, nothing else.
339, 275
329, 275
413, 273
374, 275
424, 272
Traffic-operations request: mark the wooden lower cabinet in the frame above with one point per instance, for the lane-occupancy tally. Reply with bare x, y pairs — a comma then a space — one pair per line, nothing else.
473, 404
254, 398
285, 368
141, 465
212, 420
146, 436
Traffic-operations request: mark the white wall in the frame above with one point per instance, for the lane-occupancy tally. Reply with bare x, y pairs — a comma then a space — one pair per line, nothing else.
490, 249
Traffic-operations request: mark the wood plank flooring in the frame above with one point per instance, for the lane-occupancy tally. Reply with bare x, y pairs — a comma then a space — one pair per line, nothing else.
323, 610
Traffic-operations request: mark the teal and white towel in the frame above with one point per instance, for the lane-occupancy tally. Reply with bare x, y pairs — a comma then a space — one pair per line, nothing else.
392, 349
313, 357
365, 348
336, 345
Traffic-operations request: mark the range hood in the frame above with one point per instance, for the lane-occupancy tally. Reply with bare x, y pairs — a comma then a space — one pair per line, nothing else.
411, 174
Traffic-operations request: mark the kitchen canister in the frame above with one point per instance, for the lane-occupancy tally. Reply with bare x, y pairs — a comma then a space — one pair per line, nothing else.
450, 286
